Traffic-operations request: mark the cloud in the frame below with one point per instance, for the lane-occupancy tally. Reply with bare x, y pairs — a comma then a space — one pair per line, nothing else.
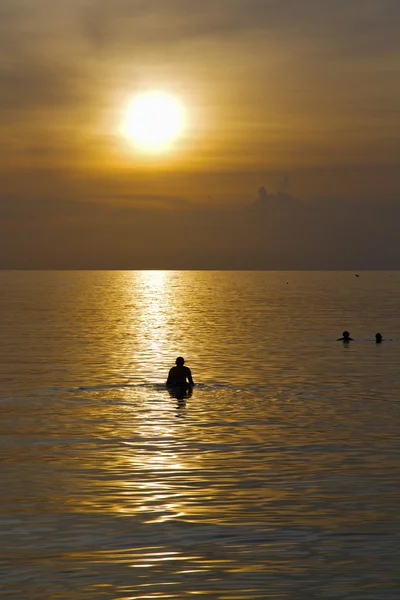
279, 201
292, 81
317, 32
347, 25
62, 233
29, 85
126, 201
39, 58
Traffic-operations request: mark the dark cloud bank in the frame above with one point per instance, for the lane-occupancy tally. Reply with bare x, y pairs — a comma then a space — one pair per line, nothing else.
275, 231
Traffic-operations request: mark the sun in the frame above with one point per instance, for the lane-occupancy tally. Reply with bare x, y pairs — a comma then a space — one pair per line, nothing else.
153, 121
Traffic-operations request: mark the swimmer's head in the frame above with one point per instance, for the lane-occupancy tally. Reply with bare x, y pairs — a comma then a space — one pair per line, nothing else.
378, 337
346, 334
180, 361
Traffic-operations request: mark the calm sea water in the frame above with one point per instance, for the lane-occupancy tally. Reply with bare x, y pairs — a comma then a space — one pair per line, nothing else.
277, 478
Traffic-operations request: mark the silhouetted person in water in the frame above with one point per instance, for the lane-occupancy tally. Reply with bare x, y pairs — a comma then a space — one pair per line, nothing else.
180, 393
378, 338
180, 375
346, 337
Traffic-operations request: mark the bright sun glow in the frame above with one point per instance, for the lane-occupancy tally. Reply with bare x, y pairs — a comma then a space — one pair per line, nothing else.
153, 121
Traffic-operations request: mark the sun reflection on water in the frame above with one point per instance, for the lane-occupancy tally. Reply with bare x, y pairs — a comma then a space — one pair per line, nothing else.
157, 489
155, 309
281, 476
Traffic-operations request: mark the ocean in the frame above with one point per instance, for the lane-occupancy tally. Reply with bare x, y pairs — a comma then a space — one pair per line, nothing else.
276, 477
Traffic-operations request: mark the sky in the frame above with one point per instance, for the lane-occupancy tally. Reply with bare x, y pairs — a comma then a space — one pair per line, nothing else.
289, 158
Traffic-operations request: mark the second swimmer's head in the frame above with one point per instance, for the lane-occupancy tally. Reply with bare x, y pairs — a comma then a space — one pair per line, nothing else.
180, 360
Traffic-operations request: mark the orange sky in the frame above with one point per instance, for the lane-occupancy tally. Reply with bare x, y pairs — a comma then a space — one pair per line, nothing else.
303, 95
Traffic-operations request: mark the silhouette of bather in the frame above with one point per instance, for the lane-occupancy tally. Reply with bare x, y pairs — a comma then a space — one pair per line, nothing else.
180, 375
346, 337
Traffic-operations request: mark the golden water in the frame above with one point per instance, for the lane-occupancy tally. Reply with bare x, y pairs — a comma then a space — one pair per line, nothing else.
277, 478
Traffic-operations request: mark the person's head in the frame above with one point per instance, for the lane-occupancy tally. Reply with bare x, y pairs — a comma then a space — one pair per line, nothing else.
346, 334
180, 361
378, 337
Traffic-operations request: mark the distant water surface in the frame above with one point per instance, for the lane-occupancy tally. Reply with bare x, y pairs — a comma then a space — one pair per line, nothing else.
278, 477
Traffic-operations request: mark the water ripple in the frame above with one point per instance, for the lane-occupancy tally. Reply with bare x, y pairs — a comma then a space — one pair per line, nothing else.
276, 476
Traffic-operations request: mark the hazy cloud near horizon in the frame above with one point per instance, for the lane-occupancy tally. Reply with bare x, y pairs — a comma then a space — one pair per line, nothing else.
274, 231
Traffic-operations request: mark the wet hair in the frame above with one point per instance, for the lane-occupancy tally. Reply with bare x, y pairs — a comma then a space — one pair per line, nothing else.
346, 334
378, 337
180, 360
